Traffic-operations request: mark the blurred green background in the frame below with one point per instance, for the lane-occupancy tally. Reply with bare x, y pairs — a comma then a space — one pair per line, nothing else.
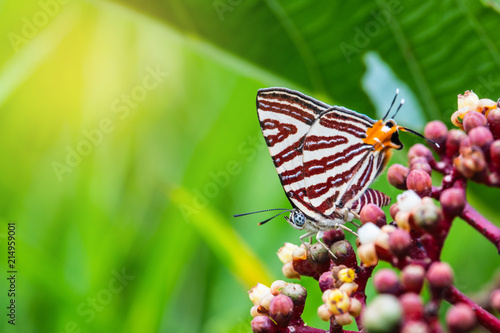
129, 138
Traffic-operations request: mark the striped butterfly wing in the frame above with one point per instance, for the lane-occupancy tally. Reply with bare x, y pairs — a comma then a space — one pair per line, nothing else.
338, 165
370, 196
285, 118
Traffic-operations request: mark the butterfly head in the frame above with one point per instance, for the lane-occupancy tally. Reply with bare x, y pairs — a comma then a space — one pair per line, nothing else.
384, 135
297, 219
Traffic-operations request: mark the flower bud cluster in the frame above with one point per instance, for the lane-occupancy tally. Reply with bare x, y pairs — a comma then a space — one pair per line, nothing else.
474, 148
398, 303
338, 287
276, 307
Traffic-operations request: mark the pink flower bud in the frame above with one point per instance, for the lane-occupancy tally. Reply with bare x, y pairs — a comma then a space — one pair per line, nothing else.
386, 281
281, 310
420, 182
396, 175
332, 236
494, 122
481, 137
415, 327
326, 281
472, 120
471, 164
439, 275
394, 210
460, 318
453, 201
436, 131
399, 242
495, 299
495, 155
372, 213
413, 306
412, 278
263, 324
419, 150
421, 166
453, 141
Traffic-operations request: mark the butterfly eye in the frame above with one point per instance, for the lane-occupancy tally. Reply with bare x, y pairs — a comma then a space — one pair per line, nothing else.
298, 219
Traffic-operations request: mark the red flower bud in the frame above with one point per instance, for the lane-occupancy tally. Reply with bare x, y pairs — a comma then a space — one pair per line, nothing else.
471, 163
413, 307
495, 299
386, 281
439, 275
394, 210
372, 213
326, 281
460, 318
495, 155
412, 278
421, 166
332, 236
453, 201
481, 137
436, 131
263, 324
494, 122
419, 150
396, 175
453, 141
472, 120
399, 242
281, 310
420, 182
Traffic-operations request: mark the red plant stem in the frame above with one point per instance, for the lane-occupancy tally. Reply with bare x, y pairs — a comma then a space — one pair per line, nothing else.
481, 224
484, 318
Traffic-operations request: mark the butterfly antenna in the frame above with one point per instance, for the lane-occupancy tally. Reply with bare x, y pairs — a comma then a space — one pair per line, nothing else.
269, 219
262, 211
420, 135
392, 104
399, 108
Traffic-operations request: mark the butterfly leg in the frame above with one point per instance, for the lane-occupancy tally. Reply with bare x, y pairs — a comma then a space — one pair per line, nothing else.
307, 245
356, 216
319, 238
341, 226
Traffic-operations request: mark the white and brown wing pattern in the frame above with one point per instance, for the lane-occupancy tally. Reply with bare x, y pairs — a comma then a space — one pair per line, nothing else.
370, 196
338, 164
285, 118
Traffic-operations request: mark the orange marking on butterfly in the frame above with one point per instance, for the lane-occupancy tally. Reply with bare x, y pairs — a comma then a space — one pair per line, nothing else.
380, 135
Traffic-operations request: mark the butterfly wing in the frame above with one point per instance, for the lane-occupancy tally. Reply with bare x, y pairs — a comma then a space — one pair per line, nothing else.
285, 118
338, 165
370, 196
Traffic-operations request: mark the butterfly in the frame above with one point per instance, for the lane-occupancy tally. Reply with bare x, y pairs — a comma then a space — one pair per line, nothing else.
326, 157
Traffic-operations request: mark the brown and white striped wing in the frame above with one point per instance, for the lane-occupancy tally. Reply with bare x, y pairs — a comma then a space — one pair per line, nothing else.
370, 196
285, 118
338, 165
